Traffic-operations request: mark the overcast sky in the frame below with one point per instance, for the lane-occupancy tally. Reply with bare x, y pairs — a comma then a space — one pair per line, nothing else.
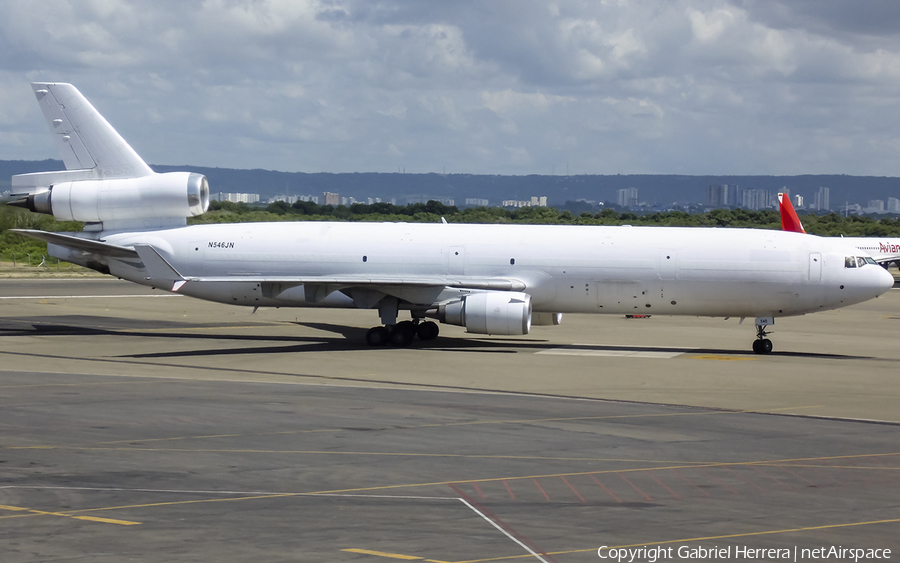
486, 87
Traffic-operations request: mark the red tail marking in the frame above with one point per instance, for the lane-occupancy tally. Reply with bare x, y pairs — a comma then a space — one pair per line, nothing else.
789, 220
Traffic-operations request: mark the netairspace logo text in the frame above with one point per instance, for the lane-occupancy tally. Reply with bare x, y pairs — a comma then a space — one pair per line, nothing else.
731, 552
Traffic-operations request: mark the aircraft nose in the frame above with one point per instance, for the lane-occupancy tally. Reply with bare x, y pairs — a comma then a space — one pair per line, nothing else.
885, 280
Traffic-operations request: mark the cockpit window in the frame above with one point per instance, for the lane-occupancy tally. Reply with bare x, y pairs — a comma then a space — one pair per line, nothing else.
858, 261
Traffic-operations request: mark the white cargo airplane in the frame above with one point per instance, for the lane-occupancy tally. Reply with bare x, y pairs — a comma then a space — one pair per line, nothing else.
491, 279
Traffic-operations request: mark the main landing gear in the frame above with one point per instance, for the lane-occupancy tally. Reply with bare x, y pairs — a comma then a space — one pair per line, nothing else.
402, 333
763, 345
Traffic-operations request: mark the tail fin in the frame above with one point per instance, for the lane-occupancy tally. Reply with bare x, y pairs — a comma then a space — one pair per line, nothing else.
84, 138
789, 219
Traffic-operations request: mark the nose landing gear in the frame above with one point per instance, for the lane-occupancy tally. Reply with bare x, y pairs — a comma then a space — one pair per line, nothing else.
763, 345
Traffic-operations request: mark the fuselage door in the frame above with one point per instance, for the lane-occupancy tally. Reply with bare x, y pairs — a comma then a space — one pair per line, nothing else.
457, 260
668, 264
815, 266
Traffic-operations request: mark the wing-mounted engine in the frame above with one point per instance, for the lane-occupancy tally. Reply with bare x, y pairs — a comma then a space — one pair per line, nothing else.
170, 195
489, 312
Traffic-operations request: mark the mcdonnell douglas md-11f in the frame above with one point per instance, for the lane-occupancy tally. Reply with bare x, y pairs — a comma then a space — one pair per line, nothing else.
491, 279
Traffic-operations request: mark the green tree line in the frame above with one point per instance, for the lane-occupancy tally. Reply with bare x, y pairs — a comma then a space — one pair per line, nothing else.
433, 211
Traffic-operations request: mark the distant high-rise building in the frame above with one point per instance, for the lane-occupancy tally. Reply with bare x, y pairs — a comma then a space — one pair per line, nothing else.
875, 206
893, 205
627, 197
476, 202
798, 201
821, 200
235, 198
332, 198
724, 195
755, 199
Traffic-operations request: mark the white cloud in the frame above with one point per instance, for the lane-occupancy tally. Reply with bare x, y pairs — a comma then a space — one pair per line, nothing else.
689, 86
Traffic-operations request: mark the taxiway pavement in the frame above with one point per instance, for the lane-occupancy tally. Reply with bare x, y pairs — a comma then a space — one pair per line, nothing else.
140, 425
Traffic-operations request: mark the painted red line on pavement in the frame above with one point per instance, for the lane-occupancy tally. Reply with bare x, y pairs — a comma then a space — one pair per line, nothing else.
605, 489
477, 488
538, 485
751, 483
808, 482
887, 472
684, 478
566, 481
508, 490
634, 486
674, 494
717, 480
761, 470
831, 478
509, 529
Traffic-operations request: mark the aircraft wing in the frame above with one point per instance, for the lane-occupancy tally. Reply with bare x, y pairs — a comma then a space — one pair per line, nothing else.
468, 282
78, 243
158, 268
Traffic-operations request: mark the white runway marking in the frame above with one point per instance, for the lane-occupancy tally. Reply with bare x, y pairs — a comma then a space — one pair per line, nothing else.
505, 533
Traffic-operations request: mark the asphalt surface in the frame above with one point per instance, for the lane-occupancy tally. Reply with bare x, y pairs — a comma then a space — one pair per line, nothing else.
140, 426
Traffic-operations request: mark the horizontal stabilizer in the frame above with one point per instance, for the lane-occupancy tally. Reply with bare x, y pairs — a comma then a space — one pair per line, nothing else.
79, 243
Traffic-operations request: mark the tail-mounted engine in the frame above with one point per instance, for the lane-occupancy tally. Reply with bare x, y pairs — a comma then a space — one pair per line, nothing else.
490, 312
174, 194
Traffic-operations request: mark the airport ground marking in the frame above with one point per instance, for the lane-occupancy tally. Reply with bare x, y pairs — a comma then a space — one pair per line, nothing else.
391, 555
466, 423
688, 540
680, 464
71, 513
65, 514
353, 453
491, 521
383, 554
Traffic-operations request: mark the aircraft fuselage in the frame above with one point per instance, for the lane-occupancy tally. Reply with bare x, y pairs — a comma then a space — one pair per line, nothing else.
565, 269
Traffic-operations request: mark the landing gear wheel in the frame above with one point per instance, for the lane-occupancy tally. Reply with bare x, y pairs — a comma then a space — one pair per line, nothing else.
402, 334
427, 330
762, 346
377, 336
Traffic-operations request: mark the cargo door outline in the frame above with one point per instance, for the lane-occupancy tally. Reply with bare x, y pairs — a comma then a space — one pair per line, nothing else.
456, 260
815, 267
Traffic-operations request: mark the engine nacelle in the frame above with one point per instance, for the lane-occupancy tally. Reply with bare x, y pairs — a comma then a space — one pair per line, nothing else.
170, 195
490, 312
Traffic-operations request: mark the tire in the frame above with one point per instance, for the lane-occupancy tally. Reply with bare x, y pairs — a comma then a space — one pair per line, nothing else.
427, 330
402, 334
377, 336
